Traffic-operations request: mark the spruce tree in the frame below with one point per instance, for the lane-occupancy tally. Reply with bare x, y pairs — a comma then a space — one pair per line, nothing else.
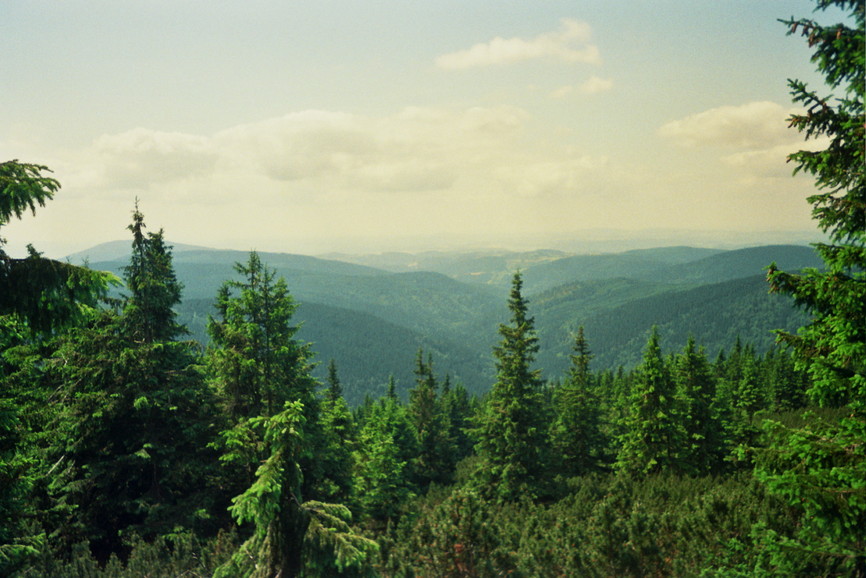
386, 448
136, 411
275, 446
435, 460
335, 452
576, 433
654, 438
512, 441
819, 468
44, 293
256, 362
703, 428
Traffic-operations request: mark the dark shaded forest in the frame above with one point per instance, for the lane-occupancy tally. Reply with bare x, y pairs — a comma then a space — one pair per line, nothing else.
127, 448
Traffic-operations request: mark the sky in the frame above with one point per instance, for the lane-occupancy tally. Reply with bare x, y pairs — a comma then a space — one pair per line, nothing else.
339, 125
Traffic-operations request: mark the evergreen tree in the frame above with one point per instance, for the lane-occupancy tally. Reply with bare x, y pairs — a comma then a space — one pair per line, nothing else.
386, 447
704, 430
338, 431
576, 432
511, 431
654, 438
44, 293
820, 467
335, 388
289, 534
255, 359
435, 460
458, 407
136, 413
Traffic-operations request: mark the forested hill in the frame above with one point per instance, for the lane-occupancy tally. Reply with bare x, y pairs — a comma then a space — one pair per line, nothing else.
372, 321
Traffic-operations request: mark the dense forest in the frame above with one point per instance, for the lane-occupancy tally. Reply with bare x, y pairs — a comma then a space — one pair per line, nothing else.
129, 448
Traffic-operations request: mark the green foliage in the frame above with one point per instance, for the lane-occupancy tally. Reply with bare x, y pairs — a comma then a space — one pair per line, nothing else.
135, 419
576, 433
512, 441
386, 446
655, 437
273, 502
436, 452
149, 313
819, 468
255, 359
22, 187
46, 293
705, 436
334, 453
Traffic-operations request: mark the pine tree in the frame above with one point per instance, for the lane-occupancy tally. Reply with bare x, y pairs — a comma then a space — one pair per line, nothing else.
820, 467
654, 438
511, 432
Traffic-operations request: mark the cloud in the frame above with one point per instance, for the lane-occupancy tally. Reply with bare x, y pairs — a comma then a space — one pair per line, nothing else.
417, 149
751, 126
594, 85
772, 162
570, 43
140, 157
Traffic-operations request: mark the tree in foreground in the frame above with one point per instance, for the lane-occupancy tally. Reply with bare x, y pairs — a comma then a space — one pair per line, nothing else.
274, 443
512, 440
43, 292
134, 425
289, 534
820, 468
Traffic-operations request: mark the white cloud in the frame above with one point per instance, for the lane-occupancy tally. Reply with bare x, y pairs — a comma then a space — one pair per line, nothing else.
752, 125
570, 43
772, 162
141, 157
593, 85
417, 149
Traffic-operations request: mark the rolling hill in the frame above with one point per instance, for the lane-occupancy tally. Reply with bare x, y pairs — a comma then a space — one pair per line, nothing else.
372, 321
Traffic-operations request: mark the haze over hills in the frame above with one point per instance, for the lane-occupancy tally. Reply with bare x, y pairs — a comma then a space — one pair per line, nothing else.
373, 319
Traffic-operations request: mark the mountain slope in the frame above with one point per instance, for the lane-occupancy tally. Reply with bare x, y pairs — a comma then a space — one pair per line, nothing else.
715, 315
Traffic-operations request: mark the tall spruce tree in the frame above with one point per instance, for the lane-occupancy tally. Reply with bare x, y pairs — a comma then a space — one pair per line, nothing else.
275, 444
256, 361
136, 411
512, 440
820, 467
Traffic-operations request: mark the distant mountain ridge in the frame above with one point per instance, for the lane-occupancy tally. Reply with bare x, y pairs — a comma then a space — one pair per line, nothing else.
371, 321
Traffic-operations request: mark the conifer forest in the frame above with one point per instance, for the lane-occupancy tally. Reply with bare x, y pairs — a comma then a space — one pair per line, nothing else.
130, 445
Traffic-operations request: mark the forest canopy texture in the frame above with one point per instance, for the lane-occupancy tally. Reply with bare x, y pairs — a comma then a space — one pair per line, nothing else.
129, 449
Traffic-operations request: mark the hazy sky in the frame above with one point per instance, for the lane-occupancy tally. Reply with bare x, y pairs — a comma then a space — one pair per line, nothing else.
309, 126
